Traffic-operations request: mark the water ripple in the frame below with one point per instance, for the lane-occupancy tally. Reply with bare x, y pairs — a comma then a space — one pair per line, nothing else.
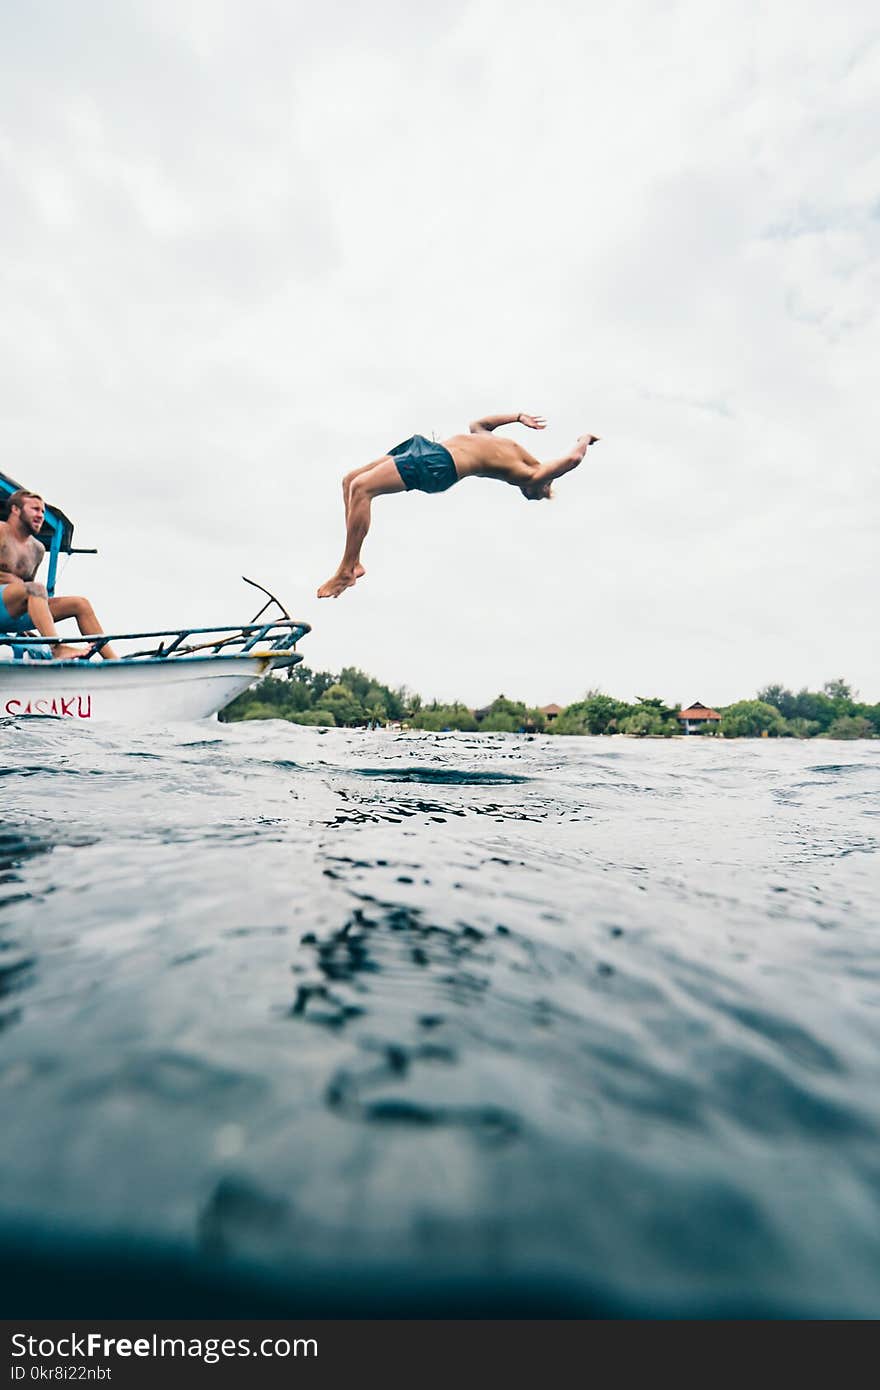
596, 1014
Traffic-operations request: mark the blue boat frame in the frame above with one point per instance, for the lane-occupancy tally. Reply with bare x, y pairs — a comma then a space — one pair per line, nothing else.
56, 535
243, 640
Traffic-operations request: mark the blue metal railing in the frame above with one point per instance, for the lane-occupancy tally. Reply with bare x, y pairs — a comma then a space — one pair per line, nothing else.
280, 638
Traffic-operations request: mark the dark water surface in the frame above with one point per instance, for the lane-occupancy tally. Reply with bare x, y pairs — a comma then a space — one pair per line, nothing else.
410, 1023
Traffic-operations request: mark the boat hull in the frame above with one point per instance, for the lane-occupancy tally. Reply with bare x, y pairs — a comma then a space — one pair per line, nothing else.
129, 692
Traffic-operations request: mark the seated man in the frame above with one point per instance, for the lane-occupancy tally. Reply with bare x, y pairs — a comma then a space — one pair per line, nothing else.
421, 465
24, 604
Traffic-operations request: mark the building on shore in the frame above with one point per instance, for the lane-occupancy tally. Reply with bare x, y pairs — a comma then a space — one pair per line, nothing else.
697, 717
550, 712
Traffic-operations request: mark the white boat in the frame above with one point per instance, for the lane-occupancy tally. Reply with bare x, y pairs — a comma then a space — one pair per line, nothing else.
182, 674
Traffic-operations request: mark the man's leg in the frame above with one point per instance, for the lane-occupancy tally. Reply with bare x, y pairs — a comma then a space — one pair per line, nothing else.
379, 479
82, 610
23, 597
346, 493
358, 473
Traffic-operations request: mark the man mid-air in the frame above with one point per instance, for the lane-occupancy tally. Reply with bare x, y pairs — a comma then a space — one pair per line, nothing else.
420, 464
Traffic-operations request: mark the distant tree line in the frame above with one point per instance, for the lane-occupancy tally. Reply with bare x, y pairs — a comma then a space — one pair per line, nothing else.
353, 698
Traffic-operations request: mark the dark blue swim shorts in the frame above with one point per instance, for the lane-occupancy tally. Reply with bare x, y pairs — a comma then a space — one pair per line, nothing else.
9, 624
423, 465
36, 651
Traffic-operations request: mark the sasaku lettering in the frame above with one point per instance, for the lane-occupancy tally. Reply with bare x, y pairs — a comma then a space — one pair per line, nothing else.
73, 707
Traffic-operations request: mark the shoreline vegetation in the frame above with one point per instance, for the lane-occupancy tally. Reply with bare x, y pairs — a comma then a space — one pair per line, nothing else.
354, 699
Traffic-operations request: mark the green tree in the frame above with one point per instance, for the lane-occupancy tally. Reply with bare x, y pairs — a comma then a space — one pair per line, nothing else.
595, 714
504, 716
501, 705
297, 695
870, 712
802, 728
815, 706
646, 719
850, 726
376, 695
316, 682
781, 698
654, 702
658, 717
356, 682
393, 702
368, 691
839, 690
751, 719
313, 717
437, 717
499, 722
258, 710
268, 698
343, 704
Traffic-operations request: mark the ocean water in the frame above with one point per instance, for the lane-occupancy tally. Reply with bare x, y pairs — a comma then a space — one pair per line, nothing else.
389, 1024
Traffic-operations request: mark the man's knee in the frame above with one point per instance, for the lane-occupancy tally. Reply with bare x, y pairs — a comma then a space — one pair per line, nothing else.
36, 590
15, 598
70, 606
359, 488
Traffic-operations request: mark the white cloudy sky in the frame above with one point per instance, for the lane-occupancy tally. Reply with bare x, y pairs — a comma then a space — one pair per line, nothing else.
248, 246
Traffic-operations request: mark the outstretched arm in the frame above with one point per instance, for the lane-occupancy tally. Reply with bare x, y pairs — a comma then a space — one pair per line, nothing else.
491, 422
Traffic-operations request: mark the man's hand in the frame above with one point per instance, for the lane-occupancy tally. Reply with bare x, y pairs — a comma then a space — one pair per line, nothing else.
534, 422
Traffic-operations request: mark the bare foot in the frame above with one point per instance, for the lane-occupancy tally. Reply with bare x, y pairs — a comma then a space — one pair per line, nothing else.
587, 440
340, 581
359, 571
62, 653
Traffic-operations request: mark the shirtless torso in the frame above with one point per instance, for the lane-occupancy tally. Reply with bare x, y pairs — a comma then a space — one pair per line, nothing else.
487, 455
18, 559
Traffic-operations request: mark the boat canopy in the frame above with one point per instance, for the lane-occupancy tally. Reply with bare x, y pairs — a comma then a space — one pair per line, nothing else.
57, 532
